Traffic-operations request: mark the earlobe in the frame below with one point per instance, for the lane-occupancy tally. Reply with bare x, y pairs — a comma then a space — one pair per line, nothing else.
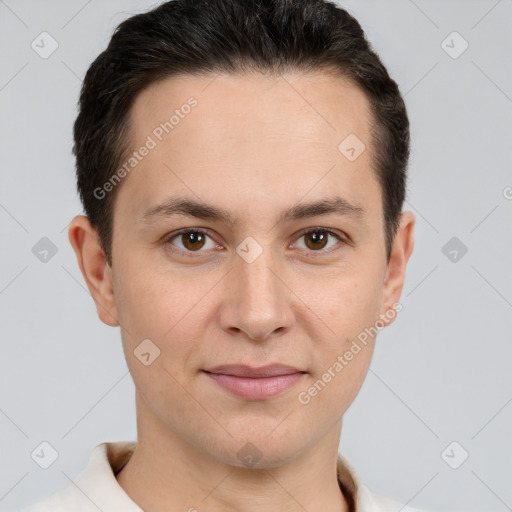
93, 265
403, 245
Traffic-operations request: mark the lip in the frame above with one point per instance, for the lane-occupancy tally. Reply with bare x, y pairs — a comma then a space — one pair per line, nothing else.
255, 383
243, 370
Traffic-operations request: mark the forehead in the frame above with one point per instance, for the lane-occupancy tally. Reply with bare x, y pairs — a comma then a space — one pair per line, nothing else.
249, 131
313, 105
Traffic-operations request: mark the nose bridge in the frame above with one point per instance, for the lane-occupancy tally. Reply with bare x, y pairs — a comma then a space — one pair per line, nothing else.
258, 297
256, 279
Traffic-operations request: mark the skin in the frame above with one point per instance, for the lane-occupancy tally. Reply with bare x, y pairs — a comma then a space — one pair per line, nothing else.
254, 146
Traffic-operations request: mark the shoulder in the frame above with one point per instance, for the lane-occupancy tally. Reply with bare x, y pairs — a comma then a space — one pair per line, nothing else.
64, 500
364, 499
378, 503
96, 487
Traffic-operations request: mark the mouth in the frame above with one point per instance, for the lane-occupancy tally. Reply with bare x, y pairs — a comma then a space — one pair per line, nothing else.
255, 383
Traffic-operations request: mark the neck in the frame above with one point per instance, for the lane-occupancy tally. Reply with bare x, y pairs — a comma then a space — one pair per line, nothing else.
166, 473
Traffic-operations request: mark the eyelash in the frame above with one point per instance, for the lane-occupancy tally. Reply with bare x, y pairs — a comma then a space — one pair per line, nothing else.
168, 239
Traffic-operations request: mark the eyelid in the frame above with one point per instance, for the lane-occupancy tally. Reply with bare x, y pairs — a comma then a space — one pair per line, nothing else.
338, 234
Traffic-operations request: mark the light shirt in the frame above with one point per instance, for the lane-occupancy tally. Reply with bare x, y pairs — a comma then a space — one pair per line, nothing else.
96, 488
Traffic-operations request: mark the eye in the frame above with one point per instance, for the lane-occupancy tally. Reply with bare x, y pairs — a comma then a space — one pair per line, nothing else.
317, 239
194, 240
191, 240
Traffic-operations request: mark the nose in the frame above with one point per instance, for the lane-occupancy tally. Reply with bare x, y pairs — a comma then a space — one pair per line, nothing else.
257, 301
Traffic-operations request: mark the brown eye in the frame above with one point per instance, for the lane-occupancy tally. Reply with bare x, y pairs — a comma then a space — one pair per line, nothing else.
318, 239
191, 240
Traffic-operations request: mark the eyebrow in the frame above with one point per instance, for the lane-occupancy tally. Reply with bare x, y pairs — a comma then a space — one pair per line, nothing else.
200, 210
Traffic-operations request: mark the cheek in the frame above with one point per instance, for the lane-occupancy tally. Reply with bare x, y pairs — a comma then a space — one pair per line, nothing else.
170, 310
158, 319
141, 303
349, 309
150, 300
351, 304
328, 394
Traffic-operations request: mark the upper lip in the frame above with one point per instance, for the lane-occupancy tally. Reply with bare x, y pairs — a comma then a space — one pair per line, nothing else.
242, 370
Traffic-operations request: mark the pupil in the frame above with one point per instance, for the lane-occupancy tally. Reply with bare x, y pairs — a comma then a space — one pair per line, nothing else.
317, 236
193, 239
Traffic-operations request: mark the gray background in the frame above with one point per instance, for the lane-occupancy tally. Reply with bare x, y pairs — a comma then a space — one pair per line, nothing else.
441, 372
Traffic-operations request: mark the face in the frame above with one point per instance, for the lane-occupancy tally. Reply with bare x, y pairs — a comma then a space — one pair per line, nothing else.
254, 275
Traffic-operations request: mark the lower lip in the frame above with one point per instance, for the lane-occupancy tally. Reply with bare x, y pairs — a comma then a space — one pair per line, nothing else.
256, 389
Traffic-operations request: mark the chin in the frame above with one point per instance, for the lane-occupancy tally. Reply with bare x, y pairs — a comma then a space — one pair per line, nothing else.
258, 450
250, 456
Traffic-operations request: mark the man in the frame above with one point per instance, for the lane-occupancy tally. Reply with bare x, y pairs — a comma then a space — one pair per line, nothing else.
242, 166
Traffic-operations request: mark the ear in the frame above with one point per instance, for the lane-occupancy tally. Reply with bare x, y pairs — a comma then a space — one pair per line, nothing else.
95, 269
395, 273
